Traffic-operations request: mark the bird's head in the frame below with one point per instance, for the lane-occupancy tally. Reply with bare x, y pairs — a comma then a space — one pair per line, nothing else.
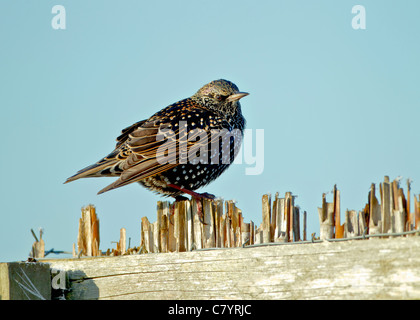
220, 96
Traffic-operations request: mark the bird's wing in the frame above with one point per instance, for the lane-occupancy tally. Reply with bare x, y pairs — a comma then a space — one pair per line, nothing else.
151, 149
125, 132
141, 159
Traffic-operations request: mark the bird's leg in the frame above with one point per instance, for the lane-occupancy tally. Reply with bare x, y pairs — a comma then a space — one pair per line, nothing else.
197, 196
192, 193
172, 209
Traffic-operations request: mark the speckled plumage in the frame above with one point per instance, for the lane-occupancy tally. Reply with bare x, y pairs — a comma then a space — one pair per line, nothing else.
215, 108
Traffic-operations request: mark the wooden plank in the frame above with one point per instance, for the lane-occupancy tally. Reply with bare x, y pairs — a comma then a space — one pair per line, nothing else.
327, 270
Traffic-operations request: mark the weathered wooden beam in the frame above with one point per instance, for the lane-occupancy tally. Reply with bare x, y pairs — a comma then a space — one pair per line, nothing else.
374, 269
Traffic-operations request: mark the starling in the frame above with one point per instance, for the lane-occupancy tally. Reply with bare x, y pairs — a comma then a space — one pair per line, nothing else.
179, 149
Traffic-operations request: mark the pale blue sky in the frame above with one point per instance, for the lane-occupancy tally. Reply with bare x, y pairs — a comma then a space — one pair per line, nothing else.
337, 105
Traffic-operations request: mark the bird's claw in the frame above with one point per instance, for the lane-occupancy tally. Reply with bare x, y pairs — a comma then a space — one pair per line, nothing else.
208, 196
196, 196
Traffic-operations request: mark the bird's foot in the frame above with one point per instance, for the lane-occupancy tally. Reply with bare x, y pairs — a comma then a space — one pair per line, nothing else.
207, 195
180, 198
192, 193
197, 197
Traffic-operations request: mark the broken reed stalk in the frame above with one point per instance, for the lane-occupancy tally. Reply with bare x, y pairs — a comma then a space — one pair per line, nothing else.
339, 229
183, 230
391, 215
417, 212
38, 247
224, 225
178, 227
88, 237
326, 219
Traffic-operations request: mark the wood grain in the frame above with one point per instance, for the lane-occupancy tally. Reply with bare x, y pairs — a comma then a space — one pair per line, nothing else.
364, 269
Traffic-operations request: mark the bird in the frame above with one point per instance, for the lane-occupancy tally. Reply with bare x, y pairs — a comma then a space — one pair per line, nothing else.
180, 148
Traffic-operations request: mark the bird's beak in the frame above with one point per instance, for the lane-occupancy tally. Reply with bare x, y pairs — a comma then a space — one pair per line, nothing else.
237, 96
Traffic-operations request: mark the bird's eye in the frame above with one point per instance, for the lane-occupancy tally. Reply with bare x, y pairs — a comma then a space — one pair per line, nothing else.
220, 97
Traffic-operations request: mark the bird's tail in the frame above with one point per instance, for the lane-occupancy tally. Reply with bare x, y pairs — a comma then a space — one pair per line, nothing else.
106, 167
